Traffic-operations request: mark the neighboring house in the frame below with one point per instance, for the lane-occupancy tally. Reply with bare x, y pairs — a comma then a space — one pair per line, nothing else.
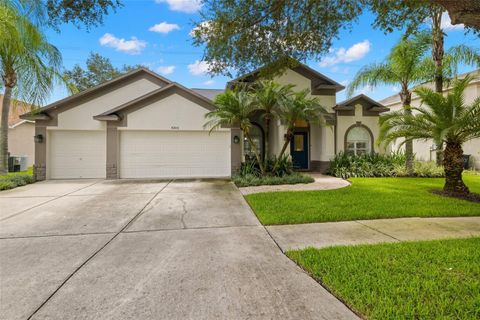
141, 125
425, 150
20, 132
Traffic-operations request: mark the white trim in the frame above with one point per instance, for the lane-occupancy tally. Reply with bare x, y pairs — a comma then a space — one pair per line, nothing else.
20, 123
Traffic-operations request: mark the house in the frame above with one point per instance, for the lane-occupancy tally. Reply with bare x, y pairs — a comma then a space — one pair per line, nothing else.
425, 150
142, 125
20, 132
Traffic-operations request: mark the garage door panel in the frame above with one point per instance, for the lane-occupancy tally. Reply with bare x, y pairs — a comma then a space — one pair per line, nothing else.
162, 154
76, 154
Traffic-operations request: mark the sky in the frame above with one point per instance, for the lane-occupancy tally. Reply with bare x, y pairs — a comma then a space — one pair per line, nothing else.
156, 34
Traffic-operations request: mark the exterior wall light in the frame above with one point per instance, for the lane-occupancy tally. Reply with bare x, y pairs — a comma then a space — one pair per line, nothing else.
236, 139
38, 138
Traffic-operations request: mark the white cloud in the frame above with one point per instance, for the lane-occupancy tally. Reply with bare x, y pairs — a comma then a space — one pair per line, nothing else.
342, 55
166, 69
396, 89
187, 6
164, 27
447, 23
132, 46
345, 82
198, 67
365, 90
209, 82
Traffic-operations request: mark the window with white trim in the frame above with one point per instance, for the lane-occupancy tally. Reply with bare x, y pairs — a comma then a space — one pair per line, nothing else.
358, 141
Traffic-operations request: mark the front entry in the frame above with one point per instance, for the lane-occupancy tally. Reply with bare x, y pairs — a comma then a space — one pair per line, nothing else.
299, 150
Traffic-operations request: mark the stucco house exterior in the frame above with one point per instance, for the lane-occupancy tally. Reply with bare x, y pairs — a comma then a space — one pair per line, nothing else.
142, 125
20, 132
425, 150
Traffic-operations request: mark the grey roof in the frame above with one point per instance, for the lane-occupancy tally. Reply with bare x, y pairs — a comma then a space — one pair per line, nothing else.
348, 104
208, 93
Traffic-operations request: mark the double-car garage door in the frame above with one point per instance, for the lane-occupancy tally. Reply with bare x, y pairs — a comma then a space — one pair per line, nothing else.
141, 154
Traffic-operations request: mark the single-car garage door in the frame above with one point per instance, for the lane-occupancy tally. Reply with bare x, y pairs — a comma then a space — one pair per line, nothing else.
174, 154
76, 154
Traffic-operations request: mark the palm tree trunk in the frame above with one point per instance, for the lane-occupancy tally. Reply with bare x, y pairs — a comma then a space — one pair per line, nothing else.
437, 56
453, 164
288, 138
255, 151
267, 136
406, 98
7, 96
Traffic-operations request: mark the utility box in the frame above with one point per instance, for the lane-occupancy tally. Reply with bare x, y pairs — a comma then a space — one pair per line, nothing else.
17, 163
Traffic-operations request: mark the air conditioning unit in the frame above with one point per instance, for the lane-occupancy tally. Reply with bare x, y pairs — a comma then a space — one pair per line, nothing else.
17, 163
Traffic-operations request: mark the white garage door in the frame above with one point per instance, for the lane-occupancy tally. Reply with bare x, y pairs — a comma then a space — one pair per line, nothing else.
174, 154
76, 154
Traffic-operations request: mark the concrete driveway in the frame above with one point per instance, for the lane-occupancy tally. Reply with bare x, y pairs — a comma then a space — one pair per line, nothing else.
96, 249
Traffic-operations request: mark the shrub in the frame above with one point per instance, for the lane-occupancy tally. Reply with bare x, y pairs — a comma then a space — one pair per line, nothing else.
376, 165
252, 180
428, 169
367, 165
279, 166
13, 180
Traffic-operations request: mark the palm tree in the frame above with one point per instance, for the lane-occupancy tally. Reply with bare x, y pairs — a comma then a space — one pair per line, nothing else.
441, 118
269, 95
402, 67
28, 67
234, 108
297, 107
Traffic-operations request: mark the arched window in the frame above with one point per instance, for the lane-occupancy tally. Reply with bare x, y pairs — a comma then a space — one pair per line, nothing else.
358, 140
256, 133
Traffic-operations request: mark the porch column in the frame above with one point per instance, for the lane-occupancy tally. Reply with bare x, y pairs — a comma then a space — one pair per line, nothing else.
235, 150
112, 152
40, 165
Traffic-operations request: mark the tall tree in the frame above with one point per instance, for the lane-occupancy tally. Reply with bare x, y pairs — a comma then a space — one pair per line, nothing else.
246, 34
299, 106
234, 108
29, 64
403, 67
441, 118
77, 12
269, 96
99, 69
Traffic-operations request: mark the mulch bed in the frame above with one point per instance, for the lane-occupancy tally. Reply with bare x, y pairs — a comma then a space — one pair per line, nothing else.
473, 197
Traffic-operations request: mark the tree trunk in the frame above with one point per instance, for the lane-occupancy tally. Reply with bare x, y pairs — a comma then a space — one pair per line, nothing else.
437, 56
406, 97
255, 151
288, 138
267, 136
4, 130
453, 164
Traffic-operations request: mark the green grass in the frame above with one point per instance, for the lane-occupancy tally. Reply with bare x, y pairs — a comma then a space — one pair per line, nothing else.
366, 198
16, 179
410, 280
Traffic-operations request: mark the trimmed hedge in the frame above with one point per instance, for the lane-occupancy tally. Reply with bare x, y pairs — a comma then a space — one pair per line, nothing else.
249, 180
376, 165
17, 179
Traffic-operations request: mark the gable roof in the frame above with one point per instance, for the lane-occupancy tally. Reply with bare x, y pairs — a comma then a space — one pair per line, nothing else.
155, 95
350, 104
90, 92
321, 80
208, 93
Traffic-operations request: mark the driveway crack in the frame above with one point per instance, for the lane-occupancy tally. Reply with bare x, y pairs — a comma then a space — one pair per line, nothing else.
185, 211
139, 213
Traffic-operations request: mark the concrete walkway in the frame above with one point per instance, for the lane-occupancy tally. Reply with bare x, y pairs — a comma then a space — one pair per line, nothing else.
372, 231
322, 182
93, 249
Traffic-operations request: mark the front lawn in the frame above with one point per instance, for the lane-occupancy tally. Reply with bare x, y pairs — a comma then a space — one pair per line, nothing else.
366, 198
410, 280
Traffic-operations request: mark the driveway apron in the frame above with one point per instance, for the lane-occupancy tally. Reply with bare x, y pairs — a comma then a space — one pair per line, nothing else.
131, 249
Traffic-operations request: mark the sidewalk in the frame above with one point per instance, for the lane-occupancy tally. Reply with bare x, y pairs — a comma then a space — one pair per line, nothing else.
372, 231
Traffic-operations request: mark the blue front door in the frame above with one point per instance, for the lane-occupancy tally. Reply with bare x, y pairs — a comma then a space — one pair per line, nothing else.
299, 150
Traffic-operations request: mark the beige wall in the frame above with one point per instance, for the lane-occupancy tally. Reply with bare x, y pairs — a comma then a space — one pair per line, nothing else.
422, 148
171, 113
81, 116
345, 122
20, 141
